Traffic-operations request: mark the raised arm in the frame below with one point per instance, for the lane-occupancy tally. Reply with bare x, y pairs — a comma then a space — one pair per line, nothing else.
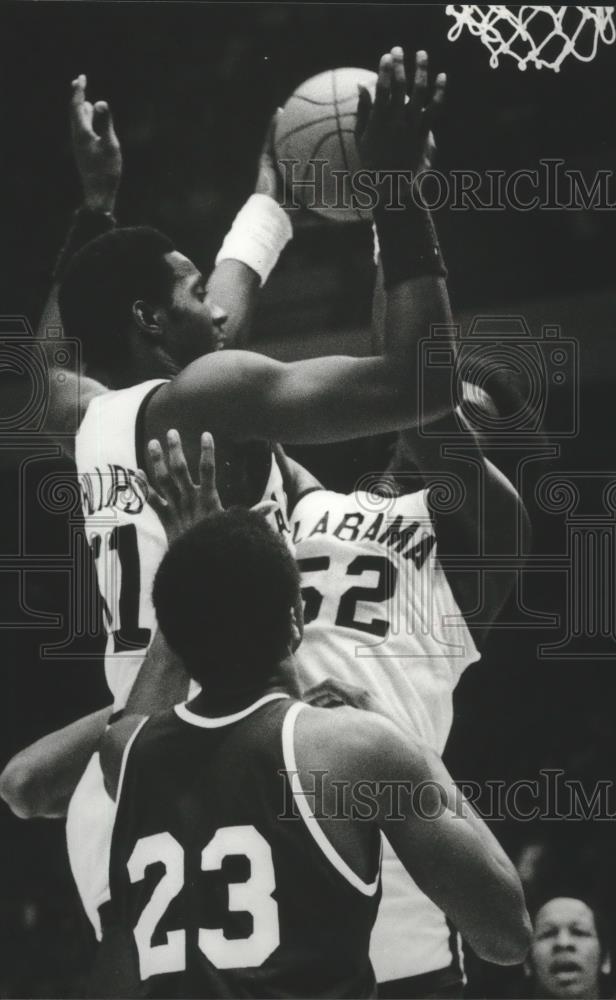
98, 158
329, 399
250, 250
491, 518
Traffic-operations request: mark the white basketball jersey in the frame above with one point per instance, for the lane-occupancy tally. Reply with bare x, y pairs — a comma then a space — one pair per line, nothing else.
379, 612
128, 542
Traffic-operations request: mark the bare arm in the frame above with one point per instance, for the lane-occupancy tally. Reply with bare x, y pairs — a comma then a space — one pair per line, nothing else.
161, 683
489, 521
98, 157
232, 284
39, 781
243, 396
162, 680
491, 518
333, 399
296, 479
446, 848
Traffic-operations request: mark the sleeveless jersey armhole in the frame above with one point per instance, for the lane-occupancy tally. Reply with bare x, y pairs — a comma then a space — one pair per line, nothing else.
300, 799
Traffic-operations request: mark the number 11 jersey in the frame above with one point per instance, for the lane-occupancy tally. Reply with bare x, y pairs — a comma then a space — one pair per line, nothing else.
125, 535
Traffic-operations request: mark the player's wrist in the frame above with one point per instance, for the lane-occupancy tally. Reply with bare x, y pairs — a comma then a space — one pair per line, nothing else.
259, 234
407, 243
87, 223
99, 203
100, 197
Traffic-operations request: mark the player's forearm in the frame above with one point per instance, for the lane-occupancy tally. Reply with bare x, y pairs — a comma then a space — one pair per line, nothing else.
86, 224
39, 781
161, 682
428, 766
296, 480
249, 253
497, 927
482, 897
413, 308
235, 287
507, 882
410, 299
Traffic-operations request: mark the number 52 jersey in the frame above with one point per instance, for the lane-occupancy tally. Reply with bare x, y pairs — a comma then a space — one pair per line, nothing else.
378, 609
379, 613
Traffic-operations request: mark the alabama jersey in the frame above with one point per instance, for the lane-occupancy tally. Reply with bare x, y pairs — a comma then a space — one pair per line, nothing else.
218, 887
124, 533
379, 612
128, 542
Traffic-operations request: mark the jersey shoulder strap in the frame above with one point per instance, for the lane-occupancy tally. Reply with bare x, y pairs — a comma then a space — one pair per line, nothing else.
302, 800
110, 432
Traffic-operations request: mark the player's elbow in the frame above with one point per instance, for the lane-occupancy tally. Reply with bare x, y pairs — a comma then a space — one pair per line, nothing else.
20, 787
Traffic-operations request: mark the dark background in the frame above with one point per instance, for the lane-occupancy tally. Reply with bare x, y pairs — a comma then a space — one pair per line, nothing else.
192, 87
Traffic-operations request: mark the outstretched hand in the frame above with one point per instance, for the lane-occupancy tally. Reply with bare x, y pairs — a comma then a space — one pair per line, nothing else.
393, 133
96, 149
179, 502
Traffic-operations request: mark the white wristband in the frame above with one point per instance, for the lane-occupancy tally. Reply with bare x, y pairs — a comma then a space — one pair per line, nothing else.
260, 232
376, 252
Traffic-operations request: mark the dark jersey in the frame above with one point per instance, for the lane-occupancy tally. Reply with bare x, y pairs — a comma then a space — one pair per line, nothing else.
219, 887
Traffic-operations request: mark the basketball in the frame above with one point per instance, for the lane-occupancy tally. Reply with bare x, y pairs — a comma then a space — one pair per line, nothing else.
316, 129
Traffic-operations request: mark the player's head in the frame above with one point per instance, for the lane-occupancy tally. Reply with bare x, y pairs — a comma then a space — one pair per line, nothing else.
226, 596
138, 307
568, 955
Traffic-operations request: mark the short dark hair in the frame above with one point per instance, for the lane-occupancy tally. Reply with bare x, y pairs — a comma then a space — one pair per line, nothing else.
100, 285
223, 595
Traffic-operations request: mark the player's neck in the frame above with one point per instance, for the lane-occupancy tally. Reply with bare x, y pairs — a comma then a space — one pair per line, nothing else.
215, 704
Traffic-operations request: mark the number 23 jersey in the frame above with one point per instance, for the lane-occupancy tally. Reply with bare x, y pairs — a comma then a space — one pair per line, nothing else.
220, 885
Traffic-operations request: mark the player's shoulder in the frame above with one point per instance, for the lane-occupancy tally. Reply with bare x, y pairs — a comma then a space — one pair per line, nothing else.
215, 391
218, 369
351, 741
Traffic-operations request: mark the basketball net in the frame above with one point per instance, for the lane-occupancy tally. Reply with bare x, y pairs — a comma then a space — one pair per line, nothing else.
544, 36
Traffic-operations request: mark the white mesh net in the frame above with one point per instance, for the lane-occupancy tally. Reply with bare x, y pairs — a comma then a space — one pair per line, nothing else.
543, 36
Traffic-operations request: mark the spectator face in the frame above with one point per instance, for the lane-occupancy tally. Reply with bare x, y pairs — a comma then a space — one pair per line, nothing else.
565, 957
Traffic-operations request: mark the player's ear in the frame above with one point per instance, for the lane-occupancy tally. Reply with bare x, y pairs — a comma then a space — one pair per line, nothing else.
147, 318
606, 965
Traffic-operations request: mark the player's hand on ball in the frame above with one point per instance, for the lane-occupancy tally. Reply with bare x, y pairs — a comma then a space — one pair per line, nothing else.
178, 501
96, 149
394, 134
